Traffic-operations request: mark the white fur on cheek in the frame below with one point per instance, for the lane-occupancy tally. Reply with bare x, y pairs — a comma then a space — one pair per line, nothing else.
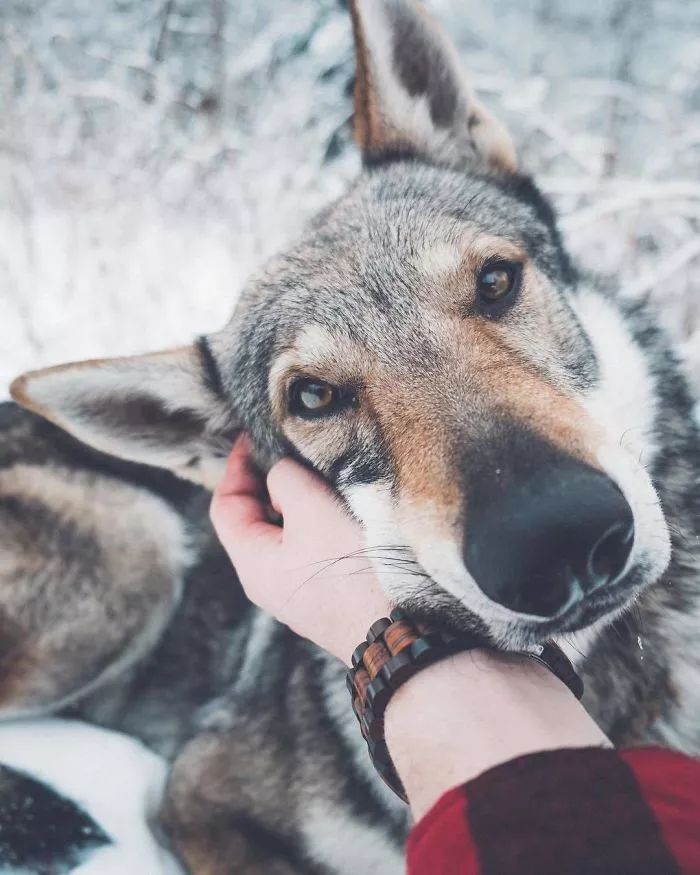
623, 404
652, 542
372, 504
624, 401
440, 556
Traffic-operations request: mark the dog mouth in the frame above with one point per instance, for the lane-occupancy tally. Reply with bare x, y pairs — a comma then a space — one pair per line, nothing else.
587, 612
609, 600
524, 632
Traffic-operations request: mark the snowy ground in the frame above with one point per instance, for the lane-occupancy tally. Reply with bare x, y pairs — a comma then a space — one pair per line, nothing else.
153, 151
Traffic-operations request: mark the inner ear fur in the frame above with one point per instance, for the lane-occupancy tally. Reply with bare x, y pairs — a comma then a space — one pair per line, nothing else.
166, 409
411, 96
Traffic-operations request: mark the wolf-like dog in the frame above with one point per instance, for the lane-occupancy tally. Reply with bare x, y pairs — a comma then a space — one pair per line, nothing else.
516, 439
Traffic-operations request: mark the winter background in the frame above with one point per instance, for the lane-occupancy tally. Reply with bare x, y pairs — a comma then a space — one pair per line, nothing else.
152, 152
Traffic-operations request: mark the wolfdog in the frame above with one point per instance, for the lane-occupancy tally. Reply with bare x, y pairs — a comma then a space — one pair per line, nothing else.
514, 436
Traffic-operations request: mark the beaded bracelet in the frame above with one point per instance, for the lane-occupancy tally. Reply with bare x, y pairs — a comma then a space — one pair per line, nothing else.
395, 649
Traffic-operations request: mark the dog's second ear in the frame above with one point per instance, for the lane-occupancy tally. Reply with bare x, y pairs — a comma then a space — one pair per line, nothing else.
165, 409
411, 96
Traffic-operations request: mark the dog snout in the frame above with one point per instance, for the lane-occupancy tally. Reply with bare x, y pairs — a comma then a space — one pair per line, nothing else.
544, 537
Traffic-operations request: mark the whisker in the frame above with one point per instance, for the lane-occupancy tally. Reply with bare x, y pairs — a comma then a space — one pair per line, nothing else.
571, 644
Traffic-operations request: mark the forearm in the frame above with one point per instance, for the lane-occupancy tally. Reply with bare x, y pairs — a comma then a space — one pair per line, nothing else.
466, 714
501, 764
593, 810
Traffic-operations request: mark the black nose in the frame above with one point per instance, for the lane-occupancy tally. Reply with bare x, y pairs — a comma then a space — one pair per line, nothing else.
540, 538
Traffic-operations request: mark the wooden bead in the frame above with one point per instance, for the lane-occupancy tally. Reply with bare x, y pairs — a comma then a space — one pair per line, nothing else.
377, 696
372, 727
362, 681
398, 670
427, 649
358, 708
375, 657
399, 636
377, 629
358, 653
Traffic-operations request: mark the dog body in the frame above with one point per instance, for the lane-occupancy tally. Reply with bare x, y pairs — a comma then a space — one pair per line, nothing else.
269, 773
252, 717
516, 439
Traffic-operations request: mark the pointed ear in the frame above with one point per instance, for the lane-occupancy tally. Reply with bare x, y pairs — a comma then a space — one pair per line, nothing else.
411, 96
166, 409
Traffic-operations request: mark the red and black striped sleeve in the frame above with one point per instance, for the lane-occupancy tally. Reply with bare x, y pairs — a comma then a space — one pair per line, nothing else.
587, 811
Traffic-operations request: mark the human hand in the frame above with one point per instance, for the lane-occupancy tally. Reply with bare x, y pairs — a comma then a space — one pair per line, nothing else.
310, 573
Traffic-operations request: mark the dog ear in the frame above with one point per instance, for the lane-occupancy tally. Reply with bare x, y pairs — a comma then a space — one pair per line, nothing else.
165, 409
411, 96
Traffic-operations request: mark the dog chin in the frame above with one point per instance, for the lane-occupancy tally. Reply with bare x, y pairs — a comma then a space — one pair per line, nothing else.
580, 623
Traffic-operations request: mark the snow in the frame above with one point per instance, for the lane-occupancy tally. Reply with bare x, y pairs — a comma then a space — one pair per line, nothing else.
152, 153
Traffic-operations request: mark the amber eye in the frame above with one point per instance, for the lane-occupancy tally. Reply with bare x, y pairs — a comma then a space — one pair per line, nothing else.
498, 280
309, 397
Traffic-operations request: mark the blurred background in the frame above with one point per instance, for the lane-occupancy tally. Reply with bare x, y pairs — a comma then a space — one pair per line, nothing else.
152, 152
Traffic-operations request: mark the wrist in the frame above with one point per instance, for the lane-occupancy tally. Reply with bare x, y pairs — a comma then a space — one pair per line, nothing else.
475, 710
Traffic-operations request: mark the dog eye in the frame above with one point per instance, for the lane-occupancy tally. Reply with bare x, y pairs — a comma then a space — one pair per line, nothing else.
308, 397
497, 281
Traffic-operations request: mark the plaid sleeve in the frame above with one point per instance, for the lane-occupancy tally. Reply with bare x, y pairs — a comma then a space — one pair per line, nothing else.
584, 811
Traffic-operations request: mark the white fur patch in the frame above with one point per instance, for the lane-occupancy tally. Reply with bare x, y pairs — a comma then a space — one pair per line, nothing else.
625, 401
372, 503
315, 344
348, 845
623, 404
439, 260
263, 629
115, 779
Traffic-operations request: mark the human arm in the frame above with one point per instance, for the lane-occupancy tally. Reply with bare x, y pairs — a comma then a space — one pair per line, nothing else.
597, 811
451, 721
479, 734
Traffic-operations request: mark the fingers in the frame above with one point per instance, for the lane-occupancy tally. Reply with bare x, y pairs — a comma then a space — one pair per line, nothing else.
299, 494
239, 476
237, 509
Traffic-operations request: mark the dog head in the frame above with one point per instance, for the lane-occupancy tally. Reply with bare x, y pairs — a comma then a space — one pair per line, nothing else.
429, 349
